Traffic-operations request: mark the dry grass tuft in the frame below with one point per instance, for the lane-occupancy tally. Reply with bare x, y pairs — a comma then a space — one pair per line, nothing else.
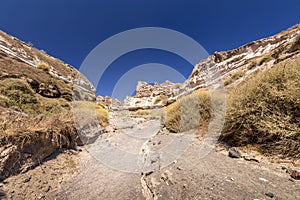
265, 111
161, 99
142, 112
43, 66
235, 76
182, 115
86, 111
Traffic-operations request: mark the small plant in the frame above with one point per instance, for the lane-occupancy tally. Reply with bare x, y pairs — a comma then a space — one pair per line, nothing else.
228, 81
265, 59
43, 66
238, 74
86, 112
161, 99
252, 65
235, 76
142, 112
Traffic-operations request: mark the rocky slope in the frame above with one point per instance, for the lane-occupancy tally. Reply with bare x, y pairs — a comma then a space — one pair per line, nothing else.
36, 91
231, 66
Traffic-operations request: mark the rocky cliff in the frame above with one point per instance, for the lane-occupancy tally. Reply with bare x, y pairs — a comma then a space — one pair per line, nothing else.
36, 93
232, 67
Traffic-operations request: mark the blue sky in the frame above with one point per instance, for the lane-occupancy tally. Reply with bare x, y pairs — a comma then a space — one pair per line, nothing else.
69, 30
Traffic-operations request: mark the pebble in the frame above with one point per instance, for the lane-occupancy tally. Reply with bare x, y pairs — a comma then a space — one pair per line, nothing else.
269, 194
26, 180
263, 179
234, 153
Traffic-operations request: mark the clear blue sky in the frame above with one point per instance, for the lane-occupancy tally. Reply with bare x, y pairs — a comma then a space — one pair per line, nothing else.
69, 30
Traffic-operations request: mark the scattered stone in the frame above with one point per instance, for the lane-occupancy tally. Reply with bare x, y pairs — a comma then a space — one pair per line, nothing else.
234, 153
26, 180
154, 160
295, 175
148, 173
159, 142
179, 168
263, 179
247, 158
269, 194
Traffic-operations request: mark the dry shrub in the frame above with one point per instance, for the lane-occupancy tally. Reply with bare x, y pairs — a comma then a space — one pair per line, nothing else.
265, 111
17, 92
86, 111
161, 99
142, 112
43, 66
26, 140
235, 76
21, 129
189, 112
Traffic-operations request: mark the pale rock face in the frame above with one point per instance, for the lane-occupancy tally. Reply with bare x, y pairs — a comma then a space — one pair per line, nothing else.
18, 50
109, 103
249, 59
148, 96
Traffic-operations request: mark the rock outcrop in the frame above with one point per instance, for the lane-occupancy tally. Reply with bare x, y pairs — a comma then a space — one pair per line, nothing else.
152, 96
46, 74
36, 91
232, 67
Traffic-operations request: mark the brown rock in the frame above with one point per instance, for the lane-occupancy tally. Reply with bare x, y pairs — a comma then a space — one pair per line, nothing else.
296, 175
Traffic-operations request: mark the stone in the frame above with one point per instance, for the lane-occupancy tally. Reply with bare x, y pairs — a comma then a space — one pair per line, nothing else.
234, 153
263, 179
26, 180
269, 194
295, 175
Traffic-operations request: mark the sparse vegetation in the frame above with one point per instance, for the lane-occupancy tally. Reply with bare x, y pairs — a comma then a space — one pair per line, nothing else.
228, 81
161, 99
264, 111
296, 45
87, 111
265, 59
142, 112
182, 116
251, 65
235, 76
18, 93
238, 74
43, 66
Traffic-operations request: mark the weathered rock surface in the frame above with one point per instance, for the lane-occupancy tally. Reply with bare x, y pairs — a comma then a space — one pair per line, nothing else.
151, 96
46, 74
35, 118
232, 67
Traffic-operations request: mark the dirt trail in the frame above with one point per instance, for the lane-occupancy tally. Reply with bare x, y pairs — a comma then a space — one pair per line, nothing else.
215, 177
138, 159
